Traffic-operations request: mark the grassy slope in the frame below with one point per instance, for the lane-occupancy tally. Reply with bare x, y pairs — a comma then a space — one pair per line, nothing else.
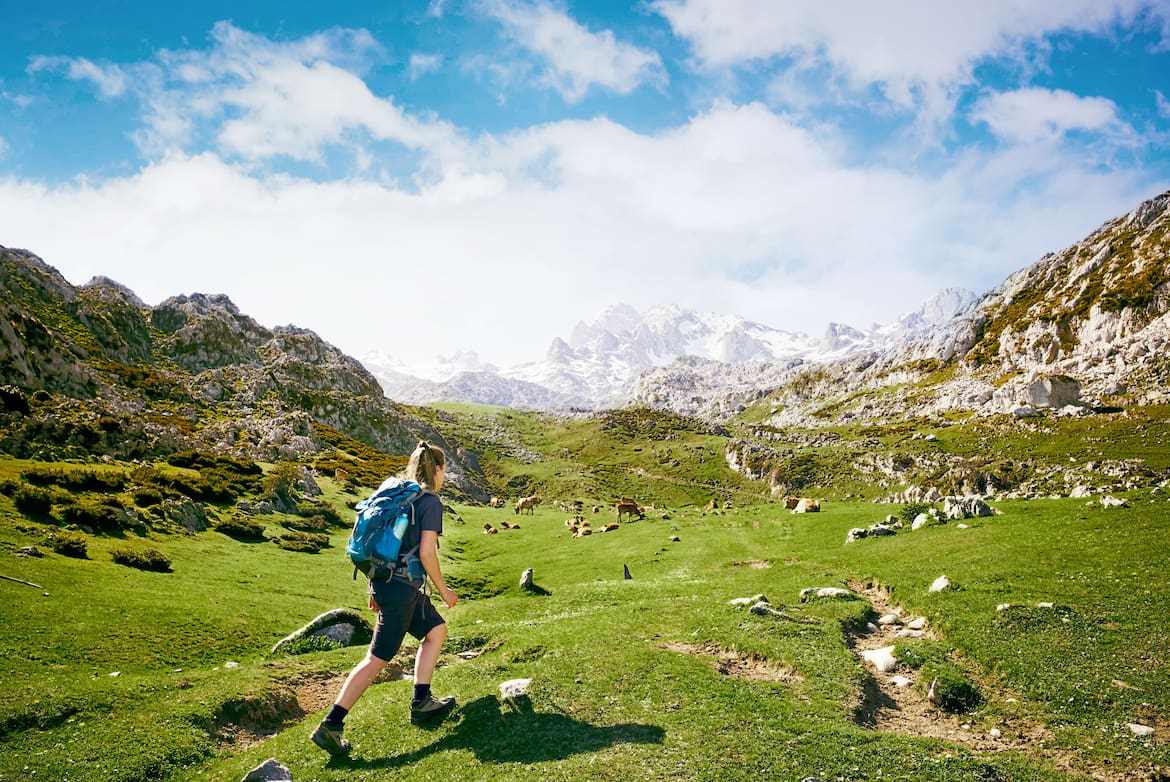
612, 697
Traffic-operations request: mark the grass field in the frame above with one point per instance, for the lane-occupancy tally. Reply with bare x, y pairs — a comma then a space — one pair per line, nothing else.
112, 673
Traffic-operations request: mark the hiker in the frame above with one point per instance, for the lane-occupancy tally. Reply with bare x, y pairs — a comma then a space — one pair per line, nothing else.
402, 608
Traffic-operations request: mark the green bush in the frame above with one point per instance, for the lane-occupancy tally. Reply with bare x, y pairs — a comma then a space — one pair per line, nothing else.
107, 515
68, 544
77, 480
316, 523
145, 559
306, 542
956, 693
241, 529
145, 497
910, 511
32, 501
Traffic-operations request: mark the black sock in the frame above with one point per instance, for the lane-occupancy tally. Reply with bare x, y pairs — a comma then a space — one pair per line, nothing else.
336, 716
421, 691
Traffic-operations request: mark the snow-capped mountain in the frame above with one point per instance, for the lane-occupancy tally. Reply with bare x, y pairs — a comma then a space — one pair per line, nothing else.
602, 360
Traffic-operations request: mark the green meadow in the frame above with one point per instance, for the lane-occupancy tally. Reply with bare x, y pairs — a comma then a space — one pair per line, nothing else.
114, 673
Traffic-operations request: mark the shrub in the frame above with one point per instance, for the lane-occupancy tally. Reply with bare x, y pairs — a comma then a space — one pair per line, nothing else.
105, 516
145, 497
306, 542
241, 529
77, 480
146, 559
955, 691
68, 544
32, 501
316, 523
910, 511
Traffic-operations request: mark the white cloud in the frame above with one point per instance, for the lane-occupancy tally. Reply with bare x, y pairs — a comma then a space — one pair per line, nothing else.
1162, 104
577, 58
560, 216
920, 42
110, 80
421, 64
1037, 114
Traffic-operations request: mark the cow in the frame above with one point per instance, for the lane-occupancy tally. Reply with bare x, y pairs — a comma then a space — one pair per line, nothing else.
527, 503
791, 502
488, 529
629, 508
712, 505
610, 527
496, 502
807, 505
727, 504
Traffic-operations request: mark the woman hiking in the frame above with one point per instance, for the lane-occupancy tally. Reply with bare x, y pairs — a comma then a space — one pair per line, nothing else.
403, 608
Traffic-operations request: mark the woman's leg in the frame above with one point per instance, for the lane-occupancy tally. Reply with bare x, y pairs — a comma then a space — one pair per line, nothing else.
359, 680
428, 654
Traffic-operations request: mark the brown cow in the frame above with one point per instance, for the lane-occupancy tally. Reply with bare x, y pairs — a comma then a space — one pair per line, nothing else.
610, 527
791, 502
496, 502
488, 529
629, 508
807, 505
528, 503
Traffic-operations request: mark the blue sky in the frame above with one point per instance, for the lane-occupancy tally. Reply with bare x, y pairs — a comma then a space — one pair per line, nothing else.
424, 177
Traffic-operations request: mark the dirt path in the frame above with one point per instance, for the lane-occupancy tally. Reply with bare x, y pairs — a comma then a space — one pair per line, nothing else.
892, 703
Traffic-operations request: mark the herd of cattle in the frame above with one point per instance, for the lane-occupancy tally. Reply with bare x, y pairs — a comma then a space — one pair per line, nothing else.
624, 507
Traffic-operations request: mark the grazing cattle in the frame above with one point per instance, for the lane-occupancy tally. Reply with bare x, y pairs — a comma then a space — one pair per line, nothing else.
629, 509
496, 502
807, 505
528, 503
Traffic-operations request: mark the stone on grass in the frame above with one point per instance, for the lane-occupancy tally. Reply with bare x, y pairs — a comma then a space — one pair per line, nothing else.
271, 770
808, 593
917, 624
1109, 501
941, 584
901, 681
1139, 730
526, 579
514, 688
326, 625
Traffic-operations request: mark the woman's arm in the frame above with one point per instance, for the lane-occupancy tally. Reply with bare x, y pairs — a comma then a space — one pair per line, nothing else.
428, 552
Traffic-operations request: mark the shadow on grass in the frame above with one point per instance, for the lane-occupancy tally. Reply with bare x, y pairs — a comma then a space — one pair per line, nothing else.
515, 734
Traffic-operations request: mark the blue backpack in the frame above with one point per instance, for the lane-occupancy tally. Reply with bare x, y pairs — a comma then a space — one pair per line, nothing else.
381, 524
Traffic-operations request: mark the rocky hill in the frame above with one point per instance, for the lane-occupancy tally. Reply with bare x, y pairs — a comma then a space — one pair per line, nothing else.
611, 361
1077, 330
92, 370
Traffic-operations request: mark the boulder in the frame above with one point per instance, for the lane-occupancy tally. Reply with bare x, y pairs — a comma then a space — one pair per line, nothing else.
271, 770
338, 624
882, 659
1053, 391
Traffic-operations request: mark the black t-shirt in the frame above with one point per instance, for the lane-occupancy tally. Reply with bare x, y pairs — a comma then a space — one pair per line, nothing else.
428, 514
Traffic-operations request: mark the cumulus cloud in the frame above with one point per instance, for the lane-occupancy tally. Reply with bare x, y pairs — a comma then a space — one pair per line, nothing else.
576, 58
110, 80
1037, 114
421, 64
922, 43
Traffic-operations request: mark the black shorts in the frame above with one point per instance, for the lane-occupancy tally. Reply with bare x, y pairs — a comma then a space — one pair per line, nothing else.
402, 609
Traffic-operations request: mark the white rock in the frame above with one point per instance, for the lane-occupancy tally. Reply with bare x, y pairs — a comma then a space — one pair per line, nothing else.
514, 688
917, 624
888, 619
907, 633
901, 681
1045, 605
1139, 730
941, 584
882, 659
1003, 606
995, 733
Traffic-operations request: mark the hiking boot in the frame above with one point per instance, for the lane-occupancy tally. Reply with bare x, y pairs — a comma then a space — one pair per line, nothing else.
329, 739
430, 708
